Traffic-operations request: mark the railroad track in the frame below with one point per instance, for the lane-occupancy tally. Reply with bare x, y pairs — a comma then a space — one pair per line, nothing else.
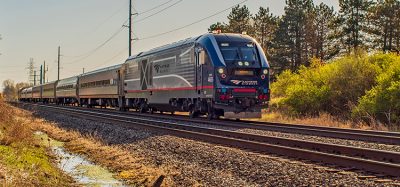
376, 161
342, 133
332, 132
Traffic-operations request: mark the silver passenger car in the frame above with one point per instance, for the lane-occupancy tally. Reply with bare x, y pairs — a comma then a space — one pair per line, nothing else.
28, 94
22, 94
100, 87
37, 93
66, 91
49, 92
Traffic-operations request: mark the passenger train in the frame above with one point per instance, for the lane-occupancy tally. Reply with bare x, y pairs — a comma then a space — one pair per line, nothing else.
212, 74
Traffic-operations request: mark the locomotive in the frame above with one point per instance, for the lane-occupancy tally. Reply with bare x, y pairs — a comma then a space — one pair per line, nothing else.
213, 74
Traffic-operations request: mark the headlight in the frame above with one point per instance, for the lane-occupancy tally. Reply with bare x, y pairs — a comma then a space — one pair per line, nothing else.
220, 70
265, 71
240, 63
247, 63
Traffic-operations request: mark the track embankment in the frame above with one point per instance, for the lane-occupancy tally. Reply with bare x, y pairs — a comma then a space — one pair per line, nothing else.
206, 162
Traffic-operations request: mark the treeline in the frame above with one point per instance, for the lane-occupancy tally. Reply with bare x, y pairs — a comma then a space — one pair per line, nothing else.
10, 89
307, 30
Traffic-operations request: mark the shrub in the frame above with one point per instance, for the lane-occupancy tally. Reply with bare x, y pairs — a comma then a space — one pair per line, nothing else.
382, 102
334, 88
349, 79
286, 78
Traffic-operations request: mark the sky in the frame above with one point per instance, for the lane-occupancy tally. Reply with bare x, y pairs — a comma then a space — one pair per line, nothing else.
91, 33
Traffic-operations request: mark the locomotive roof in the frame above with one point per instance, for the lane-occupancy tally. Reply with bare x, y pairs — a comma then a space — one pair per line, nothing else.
219, 37
232, 37
165, 47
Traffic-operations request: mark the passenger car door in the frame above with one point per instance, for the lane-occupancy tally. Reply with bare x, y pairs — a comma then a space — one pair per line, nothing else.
200, 60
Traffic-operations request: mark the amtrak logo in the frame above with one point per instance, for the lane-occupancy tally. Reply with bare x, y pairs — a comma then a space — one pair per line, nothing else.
244, 83
161, 68
237, 82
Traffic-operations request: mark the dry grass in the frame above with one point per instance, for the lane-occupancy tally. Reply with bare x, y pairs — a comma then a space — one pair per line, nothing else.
277, 113
321, 120
128, 166
23, 161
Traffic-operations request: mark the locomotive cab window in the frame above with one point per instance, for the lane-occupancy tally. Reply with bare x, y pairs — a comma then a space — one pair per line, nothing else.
242, 55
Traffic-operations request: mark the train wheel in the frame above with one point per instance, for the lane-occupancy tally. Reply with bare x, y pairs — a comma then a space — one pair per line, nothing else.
210, 116
143, 108
193, 114
210, 113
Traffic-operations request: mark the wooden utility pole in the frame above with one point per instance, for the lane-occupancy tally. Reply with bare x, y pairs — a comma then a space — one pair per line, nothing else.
130, 27
41, 74
44, 72
58, 74
34, 78
83, 70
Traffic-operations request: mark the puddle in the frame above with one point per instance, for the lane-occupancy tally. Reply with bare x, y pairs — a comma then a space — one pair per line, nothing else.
83, 171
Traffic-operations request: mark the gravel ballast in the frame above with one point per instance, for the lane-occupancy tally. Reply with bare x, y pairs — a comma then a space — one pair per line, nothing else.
207, 164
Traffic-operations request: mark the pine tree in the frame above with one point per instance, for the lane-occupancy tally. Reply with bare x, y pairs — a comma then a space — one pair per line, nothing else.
265, 25
384, 16
240, 20
326, 46
218, 26
397, 33
282, 47
354, 23
294, 36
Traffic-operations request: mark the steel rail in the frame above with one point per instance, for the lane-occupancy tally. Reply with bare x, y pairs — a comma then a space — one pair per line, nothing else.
342, 133
378, 161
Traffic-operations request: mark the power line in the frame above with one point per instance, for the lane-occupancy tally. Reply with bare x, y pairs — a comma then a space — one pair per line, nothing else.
160, 5
11, 66
88, 54
112, 58
112, 15
85, 55
162, 10
198, 21
97, 27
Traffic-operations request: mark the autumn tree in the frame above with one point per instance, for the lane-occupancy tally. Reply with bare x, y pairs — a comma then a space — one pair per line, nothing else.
9, 90
21, 85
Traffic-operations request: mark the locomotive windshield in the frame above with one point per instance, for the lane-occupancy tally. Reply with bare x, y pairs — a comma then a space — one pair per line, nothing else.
240, 54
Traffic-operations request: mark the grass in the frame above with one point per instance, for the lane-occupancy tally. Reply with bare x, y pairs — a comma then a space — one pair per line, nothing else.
23, 160
275, 114
24, 157
128, 166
